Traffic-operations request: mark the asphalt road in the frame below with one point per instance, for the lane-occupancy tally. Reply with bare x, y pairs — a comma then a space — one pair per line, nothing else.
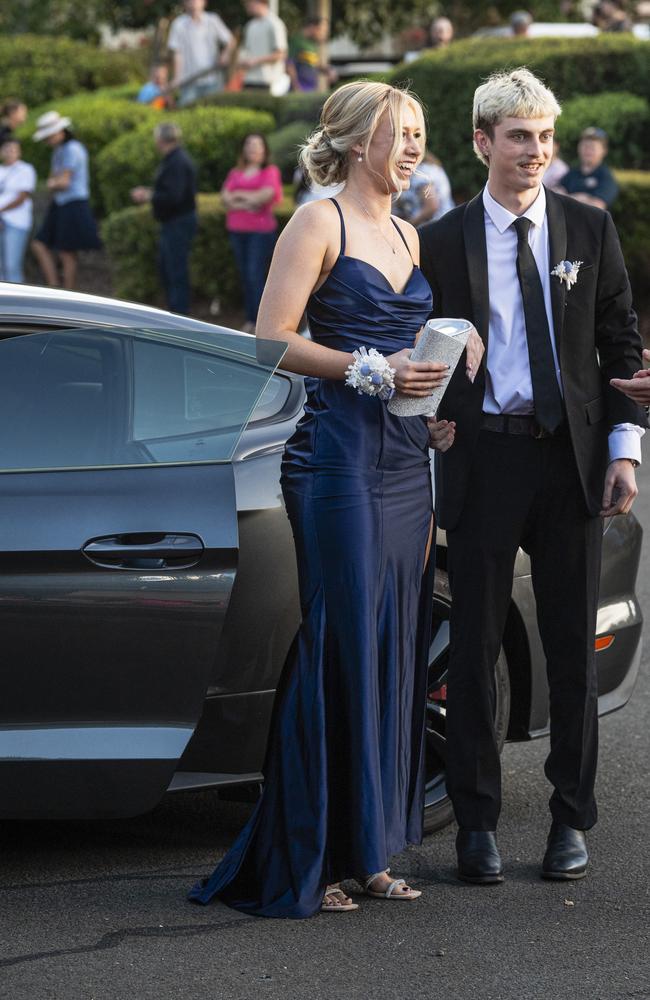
98, 910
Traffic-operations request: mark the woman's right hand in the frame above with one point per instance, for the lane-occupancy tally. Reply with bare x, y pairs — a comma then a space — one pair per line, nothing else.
417, 378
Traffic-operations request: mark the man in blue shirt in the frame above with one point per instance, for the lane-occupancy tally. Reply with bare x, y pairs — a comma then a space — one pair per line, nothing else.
592, 182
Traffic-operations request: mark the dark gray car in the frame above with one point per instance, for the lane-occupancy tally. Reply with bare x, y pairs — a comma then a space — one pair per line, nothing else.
148, 591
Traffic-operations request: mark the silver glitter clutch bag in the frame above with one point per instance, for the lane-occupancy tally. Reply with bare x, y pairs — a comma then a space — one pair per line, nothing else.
441, 340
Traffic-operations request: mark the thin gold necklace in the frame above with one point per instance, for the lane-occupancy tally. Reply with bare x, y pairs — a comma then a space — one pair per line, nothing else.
391, 243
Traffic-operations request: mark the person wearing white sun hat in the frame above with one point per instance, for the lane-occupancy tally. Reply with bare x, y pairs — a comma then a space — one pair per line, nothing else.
69, 225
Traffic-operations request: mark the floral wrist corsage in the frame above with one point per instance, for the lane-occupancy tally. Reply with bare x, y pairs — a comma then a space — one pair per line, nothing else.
371, 374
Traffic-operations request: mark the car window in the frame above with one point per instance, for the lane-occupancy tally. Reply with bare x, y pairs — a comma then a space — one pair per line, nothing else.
97, 398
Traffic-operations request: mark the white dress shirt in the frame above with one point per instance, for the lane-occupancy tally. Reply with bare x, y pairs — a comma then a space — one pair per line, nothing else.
509, 387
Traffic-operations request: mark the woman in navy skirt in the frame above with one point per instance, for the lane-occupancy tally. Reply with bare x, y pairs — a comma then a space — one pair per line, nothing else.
69, 225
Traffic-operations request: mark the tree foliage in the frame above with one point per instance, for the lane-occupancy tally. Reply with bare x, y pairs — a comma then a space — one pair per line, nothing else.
366, 22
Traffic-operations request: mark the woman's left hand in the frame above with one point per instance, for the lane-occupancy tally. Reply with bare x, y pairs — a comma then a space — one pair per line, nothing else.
475, 350
417, 378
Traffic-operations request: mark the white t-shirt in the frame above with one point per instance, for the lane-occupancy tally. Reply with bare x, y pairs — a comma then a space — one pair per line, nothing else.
198, 43
262, 36
15, 180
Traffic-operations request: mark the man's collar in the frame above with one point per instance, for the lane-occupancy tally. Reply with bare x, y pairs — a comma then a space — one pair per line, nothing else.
502, 217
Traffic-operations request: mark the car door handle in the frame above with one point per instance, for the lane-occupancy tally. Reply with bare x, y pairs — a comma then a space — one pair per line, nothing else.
145, 551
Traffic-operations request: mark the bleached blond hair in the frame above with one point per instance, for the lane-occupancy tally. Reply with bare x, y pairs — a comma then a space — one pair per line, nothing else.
350, 118
517, 94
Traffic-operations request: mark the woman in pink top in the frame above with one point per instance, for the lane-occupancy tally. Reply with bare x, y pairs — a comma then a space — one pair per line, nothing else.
249, 193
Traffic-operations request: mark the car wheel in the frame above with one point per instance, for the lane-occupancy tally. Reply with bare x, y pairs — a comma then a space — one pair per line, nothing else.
438, 810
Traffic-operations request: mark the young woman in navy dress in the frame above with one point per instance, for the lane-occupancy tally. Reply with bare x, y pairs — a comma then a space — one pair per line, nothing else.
344, 770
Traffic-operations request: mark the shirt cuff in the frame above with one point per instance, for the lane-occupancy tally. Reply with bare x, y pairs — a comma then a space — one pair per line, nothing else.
625, 442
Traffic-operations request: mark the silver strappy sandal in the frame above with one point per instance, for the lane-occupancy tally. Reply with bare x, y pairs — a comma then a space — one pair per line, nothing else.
389, 892
343, 902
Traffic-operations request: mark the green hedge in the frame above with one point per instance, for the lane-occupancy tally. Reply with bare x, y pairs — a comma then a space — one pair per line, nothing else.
631, 213
625, 118
446, 81
292, 107
130, 239
211, 135
284, 143
35, 68
98, 118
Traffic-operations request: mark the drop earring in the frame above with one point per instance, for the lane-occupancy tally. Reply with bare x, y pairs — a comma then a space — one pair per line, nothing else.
360, 158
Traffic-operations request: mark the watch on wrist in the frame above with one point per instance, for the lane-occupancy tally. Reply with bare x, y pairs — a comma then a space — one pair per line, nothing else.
635, 464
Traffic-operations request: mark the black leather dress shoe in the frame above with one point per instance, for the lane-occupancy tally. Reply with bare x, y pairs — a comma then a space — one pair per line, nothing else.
478, 857
566, 853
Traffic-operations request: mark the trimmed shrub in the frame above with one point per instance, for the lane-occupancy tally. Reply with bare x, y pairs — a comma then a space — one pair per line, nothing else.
284, 143
130, 238
36, 68
631, 213
211, 135
97, 119
446, 81
625, 118
292, 107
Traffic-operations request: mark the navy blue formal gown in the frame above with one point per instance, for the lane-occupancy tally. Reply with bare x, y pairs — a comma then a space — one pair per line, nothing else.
344, 782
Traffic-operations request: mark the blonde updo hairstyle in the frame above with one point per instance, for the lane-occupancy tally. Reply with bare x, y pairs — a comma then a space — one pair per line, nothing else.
349, 118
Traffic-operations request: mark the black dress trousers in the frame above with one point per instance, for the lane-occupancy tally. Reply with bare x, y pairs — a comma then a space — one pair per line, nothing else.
523, 492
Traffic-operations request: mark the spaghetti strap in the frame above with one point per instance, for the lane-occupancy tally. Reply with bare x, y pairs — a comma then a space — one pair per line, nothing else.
338, 209
408, 250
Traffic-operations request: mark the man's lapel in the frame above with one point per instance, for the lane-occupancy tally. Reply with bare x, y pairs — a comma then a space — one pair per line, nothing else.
477, 267
557, 240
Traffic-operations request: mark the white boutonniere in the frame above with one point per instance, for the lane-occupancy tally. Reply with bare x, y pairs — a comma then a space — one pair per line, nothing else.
567, 271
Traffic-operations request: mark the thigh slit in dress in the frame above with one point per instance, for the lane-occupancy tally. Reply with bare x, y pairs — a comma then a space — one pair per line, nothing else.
344, 786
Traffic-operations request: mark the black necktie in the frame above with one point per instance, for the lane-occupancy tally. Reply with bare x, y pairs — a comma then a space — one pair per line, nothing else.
546, 392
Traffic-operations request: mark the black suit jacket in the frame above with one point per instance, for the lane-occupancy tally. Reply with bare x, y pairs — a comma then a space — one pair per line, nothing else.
595, 330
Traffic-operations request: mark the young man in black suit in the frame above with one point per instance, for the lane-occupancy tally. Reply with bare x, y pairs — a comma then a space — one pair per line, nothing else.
534, 453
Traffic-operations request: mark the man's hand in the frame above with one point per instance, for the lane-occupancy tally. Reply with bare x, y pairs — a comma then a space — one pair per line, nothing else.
141, 195
637, 387
441, 433
474, 352
620, 488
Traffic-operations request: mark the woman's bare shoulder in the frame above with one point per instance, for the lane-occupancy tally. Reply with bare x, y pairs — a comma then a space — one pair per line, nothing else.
315, 226
319, 214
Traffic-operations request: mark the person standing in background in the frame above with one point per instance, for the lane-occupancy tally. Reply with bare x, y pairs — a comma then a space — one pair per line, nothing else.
556, 170
520, 22
249, 193
431, 190
304, 65
17, 184
13, 114
264, 48
173, 200
155, 90
69, 225
610, 15
591, 182
441, 33
199, 41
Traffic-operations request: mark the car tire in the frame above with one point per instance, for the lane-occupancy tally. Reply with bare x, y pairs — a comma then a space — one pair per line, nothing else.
438, 811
